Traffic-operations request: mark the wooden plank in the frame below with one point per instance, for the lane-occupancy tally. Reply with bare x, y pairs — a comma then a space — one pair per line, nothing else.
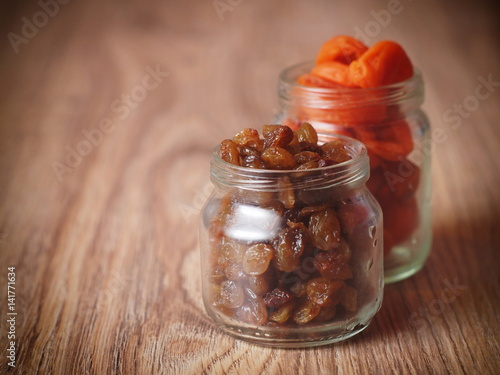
106, 252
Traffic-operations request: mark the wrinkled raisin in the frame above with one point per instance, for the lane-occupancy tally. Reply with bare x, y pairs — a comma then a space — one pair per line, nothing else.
306, 156
234, 272
259, 284
231, 251
306, 133
257, 259
335, 151
309, 165
253, 312
278, 158
277, 297
332, 266
323, 292
325, 229
288, 247
229, 152
306, 312
231, 295
249, 151
299, 289
276, 135
253, 161
283, 313
248, 138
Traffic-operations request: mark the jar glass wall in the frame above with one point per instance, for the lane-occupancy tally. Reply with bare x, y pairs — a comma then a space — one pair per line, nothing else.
396, 132
292, 258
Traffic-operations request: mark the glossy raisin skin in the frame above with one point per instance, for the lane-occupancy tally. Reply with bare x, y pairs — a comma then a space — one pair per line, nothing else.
229, 152
303, 274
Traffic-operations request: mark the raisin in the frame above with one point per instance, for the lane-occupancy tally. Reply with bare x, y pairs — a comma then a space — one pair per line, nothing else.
278, 158
325, 229
286, 193
283, 313
231, 251
231, 295
306, 312
288, 247
275, 206
323, 292
322, 163
276, 135
277, 297
234, 272
343, 251
308, 146
291, 215
253, 161
248, 151
309, 165
332, 266
217, 274
306, 211
259, 284
257, 259
306, 156
326, 313
352, 216
335, 151
248, 138
229, 152
253, 312
299, 289
306, 133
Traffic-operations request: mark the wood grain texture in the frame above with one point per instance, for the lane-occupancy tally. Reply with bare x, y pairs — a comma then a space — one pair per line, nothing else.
106, 257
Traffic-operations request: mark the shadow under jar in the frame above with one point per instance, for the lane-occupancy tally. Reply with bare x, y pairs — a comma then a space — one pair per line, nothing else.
292, 258
396, 132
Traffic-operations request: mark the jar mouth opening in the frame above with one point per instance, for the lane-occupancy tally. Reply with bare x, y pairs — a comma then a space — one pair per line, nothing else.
355, 169
290, 90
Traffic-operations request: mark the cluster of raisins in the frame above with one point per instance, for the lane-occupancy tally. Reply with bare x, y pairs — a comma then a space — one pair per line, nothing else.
304, 273
282, 149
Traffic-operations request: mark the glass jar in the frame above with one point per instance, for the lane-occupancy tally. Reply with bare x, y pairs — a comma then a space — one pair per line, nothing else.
396, 132
292, 258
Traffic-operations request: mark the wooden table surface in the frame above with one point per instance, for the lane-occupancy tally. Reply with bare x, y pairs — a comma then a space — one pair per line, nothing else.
103, 236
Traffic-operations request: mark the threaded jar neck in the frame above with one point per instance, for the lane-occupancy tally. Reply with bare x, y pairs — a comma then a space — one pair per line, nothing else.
351, 173
402, 97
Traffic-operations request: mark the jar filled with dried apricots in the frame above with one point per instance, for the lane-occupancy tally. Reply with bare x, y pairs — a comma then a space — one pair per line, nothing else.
291, 238
375, 95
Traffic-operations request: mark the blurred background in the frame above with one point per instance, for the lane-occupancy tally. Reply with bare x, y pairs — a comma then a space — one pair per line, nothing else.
109, 111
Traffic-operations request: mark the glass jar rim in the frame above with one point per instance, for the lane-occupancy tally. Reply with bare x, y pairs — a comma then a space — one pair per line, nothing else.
343, 97
355, 170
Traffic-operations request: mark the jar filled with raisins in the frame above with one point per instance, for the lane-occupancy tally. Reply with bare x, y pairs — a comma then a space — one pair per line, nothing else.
390, 122
291, 247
